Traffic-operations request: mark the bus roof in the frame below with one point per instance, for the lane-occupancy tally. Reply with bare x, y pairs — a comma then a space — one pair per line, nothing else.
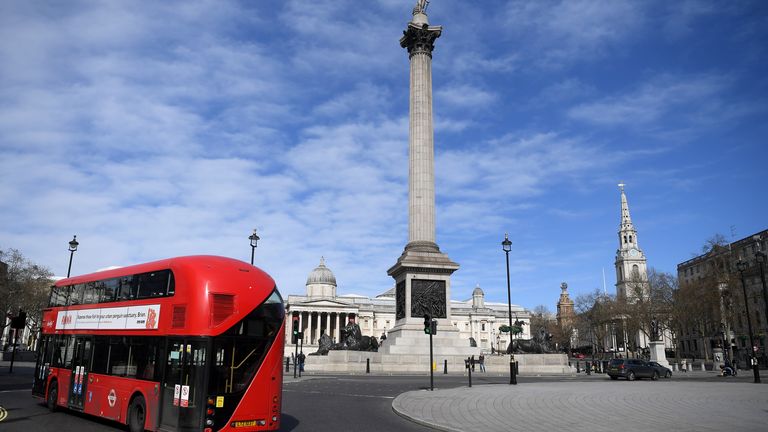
199, 261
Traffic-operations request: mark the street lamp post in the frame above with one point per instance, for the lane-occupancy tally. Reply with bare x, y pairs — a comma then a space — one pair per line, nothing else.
72, 248
498, 343
742, 267
254, 241
506, 245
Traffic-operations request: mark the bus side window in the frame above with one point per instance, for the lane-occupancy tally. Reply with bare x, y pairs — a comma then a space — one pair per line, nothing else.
144, 352
76, 295
91, 293
118, 357
128, 285
59, 296
69, 350
153, 284
111, 287
100, 355
50, 346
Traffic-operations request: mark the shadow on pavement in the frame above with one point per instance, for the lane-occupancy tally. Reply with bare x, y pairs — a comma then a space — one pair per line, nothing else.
288, 423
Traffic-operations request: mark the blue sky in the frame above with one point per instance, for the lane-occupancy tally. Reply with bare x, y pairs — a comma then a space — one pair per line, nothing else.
158, 129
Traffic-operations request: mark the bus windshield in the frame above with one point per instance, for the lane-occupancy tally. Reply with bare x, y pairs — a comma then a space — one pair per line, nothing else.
240, 351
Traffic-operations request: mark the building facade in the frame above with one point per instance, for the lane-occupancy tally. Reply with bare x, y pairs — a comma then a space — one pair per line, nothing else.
321, 310
565, 312
722, 302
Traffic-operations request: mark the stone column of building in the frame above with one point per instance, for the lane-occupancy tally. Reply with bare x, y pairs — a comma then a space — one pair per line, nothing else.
328, 323
337, 332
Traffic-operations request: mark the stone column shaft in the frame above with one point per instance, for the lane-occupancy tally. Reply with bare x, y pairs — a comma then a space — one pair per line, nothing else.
421, 174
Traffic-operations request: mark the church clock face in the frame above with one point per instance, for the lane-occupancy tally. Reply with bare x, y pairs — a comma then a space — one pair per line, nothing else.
633, 252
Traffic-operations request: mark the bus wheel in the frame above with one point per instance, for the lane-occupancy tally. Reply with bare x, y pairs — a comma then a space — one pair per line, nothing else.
53, 394
137, 413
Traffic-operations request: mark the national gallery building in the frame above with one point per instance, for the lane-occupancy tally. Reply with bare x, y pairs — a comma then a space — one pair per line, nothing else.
322, 311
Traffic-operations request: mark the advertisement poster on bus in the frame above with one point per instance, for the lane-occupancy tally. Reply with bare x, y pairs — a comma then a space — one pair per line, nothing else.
143, 317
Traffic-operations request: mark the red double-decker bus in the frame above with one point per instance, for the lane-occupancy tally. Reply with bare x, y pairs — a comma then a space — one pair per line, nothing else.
183, 344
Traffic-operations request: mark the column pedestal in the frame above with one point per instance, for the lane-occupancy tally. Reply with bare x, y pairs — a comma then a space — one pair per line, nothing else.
657, 353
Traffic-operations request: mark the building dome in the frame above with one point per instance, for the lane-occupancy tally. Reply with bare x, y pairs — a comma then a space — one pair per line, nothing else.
478, 298
321, 275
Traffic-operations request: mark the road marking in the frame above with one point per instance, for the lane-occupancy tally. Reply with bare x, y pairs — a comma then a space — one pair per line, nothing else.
341, 394
13, 391
3, 414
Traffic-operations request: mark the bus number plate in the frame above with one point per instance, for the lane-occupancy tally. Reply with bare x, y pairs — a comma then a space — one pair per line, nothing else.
244, 423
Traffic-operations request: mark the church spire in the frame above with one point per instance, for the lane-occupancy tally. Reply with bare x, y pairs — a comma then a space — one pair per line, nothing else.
626, 219
627, 232
631, 266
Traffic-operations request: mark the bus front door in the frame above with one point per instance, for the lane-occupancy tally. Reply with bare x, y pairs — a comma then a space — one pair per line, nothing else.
81, 362
183, 386
42, 366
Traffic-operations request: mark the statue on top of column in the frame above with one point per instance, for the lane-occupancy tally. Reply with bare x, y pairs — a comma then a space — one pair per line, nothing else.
421, 7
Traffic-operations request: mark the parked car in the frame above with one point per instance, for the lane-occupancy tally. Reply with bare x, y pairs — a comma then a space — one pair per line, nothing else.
631, 369
663, 371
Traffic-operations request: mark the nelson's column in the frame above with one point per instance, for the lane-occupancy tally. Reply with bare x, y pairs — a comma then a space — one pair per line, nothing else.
422, 273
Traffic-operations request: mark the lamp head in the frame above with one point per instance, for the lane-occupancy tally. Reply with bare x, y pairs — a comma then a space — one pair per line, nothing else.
73, 244
254, 238
506, 244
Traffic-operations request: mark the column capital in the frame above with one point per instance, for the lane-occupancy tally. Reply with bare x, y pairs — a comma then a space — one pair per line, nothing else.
420, 39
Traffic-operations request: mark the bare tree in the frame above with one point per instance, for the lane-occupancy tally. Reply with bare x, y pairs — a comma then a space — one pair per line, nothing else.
26, 286
595, 313
541, 320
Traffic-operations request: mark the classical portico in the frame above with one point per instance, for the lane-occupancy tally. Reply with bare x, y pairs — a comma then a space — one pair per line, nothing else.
314, 321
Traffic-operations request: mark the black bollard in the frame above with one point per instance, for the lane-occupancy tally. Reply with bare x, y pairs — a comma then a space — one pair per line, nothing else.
445, 367
367, 365
287, 364
578, 366
512, 370
588, 367
469, 371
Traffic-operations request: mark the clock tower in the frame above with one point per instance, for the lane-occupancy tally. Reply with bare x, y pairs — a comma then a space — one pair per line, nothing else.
631, 266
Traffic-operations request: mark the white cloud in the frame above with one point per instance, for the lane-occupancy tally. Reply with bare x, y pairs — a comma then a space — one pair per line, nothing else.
464, 96
573, 30
648, 103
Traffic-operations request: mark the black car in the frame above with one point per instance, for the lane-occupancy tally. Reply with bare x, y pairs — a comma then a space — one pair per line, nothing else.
663, 371
631, 369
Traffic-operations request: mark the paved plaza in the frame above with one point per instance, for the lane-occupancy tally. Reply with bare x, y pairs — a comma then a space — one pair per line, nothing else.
604, 405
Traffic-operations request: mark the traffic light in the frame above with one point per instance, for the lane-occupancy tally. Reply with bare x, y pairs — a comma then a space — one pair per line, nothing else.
18, 322
433, 327
295, 333
427, 324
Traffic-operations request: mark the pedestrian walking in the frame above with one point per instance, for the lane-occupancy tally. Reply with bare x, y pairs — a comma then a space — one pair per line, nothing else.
481, 359
302, 357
